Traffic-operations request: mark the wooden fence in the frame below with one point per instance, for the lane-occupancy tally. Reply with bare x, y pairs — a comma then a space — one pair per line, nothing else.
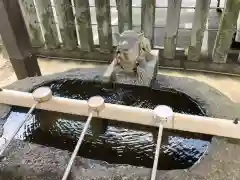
63, 28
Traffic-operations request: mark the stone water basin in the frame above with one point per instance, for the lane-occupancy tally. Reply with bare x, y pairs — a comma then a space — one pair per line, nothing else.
122, 151
117, 142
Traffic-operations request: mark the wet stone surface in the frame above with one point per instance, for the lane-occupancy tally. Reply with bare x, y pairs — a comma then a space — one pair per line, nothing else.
25, 160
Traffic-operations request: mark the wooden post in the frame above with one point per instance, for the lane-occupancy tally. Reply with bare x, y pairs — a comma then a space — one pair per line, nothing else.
104, 25
198, 28
148, 19
66, 23
124, 15
226, 30
84, 21
16, 40
45, 11
32, 22
171, 29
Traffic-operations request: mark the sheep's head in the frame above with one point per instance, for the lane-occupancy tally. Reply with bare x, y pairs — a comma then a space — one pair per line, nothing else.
128, 49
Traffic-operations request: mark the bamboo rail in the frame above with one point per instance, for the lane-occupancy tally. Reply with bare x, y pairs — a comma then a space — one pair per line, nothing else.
183, 122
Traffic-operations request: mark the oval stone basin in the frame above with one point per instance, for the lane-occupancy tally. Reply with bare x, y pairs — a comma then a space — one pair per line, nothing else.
119, 143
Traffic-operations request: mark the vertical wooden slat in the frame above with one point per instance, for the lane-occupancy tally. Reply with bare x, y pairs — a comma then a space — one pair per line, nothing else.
124, 15
3, 49
104, 25
148, 19
198, 28
45, 11
16, 40
1, 43
66, 23
84, 21
226, 30
237, 38
171, 28
32, 22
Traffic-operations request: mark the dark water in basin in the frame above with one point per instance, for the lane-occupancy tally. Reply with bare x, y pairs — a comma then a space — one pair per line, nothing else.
118, 144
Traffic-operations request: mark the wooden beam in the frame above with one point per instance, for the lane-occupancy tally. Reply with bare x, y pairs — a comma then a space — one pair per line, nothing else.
226, 29
171, 29
148, 19
184, 122
96, 55
16, 40
124, 15
32, 22
44, 8
198, 28
104, 25
84, 21
204, 65
66, 23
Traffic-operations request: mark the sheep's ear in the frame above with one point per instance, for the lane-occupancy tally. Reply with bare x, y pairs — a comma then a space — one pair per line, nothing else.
117, 36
